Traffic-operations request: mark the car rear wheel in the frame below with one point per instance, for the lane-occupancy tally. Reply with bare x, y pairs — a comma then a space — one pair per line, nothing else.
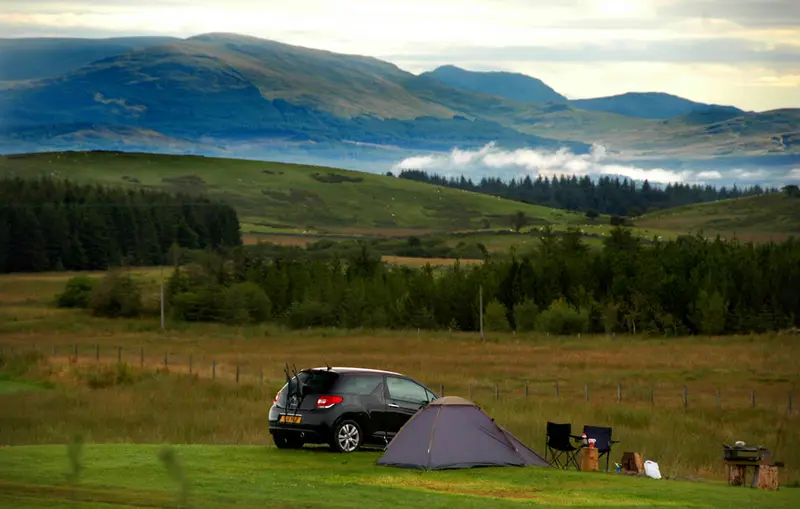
347, 437
285, 441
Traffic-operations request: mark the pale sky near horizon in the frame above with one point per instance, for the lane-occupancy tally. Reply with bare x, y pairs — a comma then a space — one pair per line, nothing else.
740, 52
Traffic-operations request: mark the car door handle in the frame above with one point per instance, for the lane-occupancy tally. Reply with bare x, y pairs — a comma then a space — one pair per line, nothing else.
392, 405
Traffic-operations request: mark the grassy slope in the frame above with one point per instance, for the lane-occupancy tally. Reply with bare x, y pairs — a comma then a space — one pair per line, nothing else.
272, 196
694, 135
757, 218
130, 475
347, 85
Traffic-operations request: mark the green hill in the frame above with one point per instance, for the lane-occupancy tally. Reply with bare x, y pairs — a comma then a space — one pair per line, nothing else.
287, 197
757, 218
710, 133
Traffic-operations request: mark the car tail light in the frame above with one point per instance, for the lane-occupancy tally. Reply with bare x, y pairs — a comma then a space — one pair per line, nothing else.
328, 401
277, 395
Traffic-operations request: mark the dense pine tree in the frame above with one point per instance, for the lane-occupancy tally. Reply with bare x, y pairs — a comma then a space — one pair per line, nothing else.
51, 224
605, 195
686, 286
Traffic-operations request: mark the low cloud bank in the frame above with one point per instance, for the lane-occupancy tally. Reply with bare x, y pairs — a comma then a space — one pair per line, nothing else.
506, 164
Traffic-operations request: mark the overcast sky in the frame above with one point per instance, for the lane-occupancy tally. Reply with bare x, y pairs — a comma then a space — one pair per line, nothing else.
740, 52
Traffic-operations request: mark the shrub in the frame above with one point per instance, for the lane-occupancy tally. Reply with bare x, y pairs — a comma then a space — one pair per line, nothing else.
245, 303
310, 313
561, 318
202, 305
495, 317
77, 293
710, 312
525, 315
116, 295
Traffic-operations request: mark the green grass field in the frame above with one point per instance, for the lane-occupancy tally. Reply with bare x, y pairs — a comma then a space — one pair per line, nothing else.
125, 476
757, 218
276, 197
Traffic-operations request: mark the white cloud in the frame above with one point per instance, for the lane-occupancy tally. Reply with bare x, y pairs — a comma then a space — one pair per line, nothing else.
794, 175
493, 161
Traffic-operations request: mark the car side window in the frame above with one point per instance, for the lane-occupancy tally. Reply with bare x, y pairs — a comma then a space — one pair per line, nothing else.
362, 385
406, 390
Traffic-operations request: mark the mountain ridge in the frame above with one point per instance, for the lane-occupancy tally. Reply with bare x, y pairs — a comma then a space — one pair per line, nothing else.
223, 92
515, 86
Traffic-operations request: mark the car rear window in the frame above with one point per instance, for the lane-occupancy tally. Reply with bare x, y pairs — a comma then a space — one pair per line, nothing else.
358, 384
317, 382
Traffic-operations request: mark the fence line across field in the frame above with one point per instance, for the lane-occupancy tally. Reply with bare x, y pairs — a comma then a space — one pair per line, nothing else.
558, 390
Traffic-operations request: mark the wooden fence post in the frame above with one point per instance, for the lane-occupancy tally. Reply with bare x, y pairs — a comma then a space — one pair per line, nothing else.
619, 392
586, 390
441, 389
685, 397
237, 373
190, 364
753, 398
213, 370
526, 389
54, 350
496, 391
719, 400
165, 358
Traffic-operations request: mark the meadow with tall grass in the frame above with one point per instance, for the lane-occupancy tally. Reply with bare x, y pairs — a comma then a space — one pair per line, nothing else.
737, 387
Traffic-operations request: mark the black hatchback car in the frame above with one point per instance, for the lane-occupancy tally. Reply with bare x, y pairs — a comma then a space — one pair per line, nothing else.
345, 408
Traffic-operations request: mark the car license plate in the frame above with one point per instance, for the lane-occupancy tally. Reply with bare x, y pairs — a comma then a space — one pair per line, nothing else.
294, 419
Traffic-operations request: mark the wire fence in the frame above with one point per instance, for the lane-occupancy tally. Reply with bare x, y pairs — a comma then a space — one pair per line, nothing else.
663, 394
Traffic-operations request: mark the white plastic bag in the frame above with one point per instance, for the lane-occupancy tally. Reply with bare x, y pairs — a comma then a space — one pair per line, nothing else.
651, 469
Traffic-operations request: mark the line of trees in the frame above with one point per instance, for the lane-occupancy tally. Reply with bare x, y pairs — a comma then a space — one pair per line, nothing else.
605, 195
686, 286
48, 224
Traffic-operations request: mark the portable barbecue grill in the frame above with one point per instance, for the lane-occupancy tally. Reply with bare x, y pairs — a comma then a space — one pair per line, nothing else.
745, 454
739, 458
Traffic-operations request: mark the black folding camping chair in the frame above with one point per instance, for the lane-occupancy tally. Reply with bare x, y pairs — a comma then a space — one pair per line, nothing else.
603, 441
557, 442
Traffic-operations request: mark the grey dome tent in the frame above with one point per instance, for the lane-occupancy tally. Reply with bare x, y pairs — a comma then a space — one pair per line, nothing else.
452, 432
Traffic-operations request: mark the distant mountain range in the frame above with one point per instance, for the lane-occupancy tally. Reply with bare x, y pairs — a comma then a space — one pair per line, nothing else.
228, 94
526, 89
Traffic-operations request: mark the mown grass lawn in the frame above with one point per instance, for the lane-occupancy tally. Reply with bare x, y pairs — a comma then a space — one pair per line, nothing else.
116, 476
